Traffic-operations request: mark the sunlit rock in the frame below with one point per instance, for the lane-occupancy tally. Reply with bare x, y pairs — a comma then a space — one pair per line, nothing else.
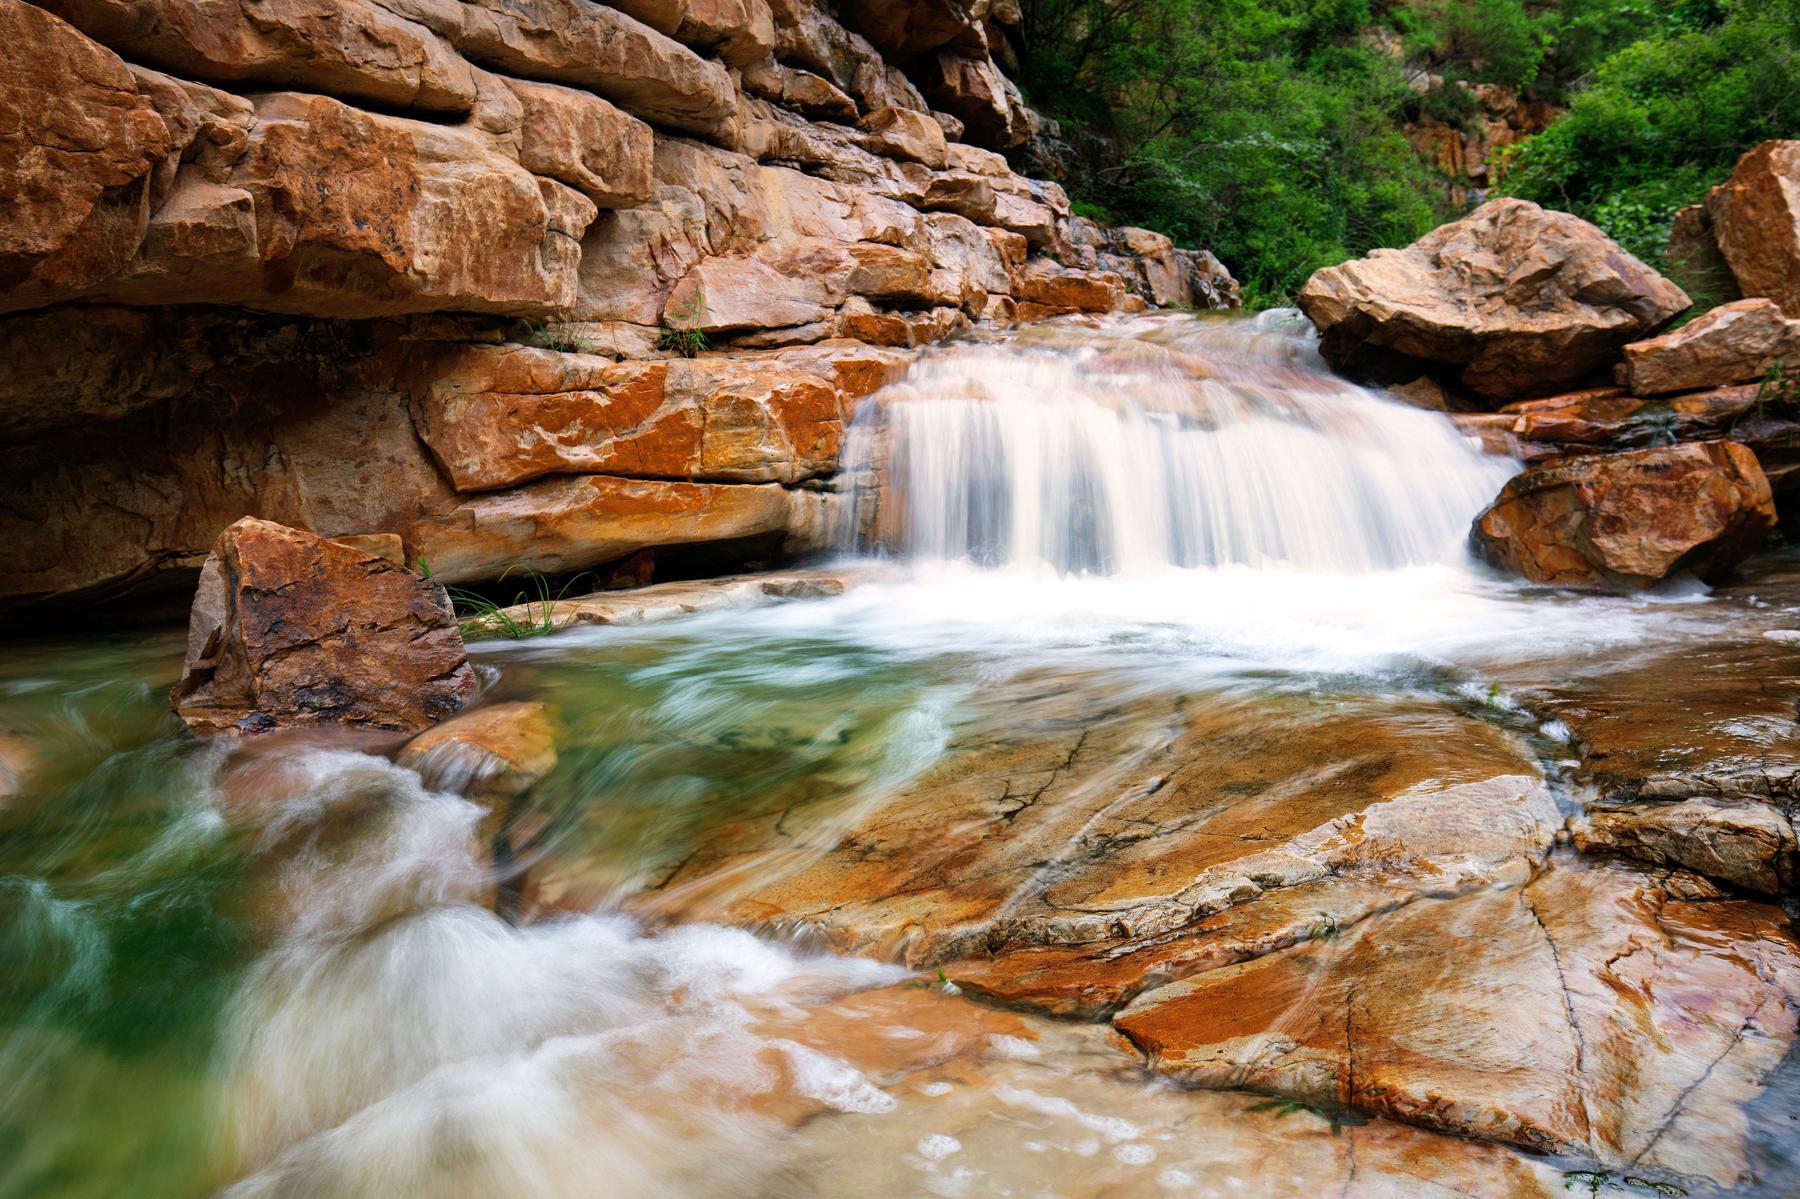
1755, 220
1594, 1011
78, 167
1515, 299
1734, 343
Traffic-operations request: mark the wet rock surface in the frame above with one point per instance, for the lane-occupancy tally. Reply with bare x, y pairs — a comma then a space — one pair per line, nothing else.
290, 630
1629, 520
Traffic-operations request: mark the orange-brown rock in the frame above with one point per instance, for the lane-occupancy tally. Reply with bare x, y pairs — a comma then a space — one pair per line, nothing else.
357, 49
289, 629
1057, 289
338, 212
559, 526
1006, 841
904, 133
587, 45
78, 149
495, 752
1629, 520
581, 140
494, 416
1746, 844
1521, 300
1755, 216
721, 294
1734, 343
1593, 1011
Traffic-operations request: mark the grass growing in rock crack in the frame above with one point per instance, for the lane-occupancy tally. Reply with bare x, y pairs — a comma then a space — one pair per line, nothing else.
1337, 1117
481, 617
679, 331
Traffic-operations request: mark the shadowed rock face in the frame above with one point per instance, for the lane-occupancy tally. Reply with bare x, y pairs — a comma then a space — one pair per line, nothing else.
1628, 520
1516, 300
289, 630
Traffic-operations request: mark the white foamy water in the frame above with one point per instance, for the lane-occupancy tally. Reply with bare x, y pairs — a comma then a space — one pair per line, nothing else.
400, 1040
1157, 444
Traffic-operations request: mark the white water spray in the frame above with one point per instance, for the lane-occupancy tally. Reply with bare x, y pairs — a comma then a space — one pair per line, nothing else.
1156, 443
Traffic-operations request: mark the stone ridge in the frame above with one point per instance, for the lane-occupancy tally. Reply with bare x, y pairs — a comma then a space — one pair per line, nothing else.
576, 176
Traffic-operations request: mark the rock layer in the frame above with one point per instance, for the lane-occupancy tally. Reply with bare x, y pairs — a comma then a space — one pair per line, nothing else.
1734, 343
552, 184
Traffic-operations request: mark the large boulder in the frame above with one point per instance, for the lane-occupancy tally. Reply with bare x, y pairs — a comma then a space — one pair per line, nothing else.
1517, 300
1755, 218
1734, 343
1627, 521
289, 629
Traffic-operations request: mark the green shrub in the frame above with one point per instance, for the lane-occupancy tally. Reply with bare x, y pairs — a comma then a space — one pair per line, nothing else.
1666, 117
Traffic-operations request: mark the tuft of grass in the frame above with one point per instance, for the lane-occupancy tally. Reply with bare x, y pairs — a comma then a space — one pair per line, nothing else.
560, 338
481, 617
679, 331
1337, 1117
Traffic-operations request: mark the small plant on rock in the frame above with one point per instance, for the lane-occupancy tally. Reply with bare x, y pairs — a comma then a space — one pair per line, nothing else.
532, 612
680, 331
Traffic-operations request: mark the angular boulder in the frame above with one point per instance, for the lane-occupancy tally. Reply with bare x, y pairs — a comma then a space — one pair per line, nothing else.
1734, 343
1627, 521
1518, 299
1755, 217
289, 629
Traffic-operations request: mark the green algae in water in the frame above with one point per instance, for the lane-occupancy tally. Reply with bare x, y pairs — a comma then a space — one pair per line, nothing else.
117, 885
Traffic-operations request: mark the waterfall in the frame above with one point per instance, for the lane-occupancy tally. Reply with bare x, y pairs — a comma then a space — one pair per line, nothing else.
1130, 447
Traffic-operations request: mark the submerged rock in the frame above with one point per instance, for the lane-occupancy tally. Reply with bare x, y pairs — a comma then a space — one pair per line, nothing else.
291, 629
1628, 521
1518, 299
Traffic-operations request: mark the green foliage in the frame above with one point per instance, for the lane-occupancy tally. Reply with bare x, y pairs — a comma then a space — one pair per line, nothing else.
679, 331
1260, 128
560, 338
1269, 130
1665, 117
482, 617
1336, 1117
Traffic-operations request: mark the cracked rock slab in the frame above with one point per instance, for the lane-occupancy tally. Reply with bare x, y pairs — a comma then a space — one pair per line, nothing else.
1601, 1010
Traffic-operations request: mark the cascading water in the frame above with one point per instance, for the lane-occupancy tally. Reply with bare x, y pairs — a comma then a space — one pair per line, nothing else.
281, 969
1158, 443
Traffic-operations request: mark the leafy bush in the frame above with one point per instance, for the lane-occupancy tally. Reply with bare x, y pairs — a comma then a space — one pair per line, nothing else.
1262, 129
1666, 117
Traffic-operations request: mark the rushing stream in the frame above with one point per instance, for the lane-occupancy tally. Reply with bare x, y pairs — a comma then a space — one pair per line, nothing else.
278, 972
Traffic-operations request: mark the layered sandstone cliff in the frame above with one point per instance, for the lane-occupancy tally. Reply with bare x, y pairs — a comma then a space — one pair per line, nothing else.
431, 267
